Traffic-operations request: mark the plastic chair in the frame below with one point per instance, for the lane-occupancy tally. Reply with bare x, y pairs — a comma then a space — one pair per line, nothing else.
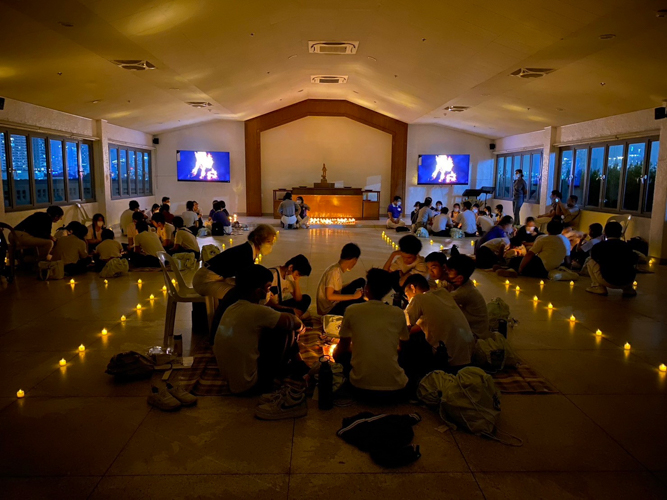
85, 218
8, 245
181, 294
623, 220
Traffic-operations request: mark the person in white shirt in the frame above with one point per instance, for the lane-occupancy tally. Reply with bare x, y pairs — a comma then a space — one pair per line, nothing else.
442, 223
369, 338
94, 236
403, 263
438, 208
436, 314
131, 229
191, 216
286, 294
484, 222
332, 296
547, 253
165, 231
425, 215
467, 221
126, 216
184, 240
147, 245
108, 249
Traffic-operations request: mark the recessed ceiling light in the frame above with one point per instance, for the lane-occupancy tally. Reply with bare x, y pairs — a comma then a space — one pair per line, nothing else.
603, 83
252, 34
355, 91
268, 72
300, 90
95, 101
423, 39
66, 24
560, 109
292, 56
372, 58
607, 36
375, 102
395, 76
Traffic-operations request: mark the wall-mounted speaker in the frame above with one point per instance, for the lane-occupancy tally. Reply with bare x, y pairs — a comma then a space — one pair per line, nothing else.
492, 146
660, 113
156, 140
2, 103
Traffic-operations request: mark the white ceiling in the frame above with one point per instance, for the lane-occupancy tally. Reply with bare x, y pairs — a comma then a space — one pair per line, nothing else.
414, 58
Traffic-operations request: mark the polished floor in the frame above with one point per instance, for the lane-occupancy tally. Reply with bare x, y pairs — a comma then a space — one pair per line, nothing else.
76, 434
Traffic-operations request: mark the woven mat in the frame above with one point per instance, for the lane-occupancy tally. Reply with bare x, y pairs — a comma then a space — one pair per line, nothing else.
203, 377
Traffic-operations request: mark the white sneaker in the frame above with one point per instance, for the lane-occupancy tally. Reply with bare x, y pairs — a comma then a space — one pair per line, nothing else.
185, 398
161, 399
292, 404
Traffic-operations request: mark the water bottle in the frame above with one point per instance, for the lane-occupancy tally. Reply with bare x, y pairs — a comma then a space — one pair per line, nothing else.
178, 346
325, 385
502, 327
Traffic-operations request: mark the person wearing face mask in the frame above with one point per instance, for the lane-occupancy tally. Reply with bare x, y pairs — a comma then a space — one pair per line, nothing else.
475, 209
456, 210
519, 193
394, 213
94, 236
544, 218
527, 234
405, 262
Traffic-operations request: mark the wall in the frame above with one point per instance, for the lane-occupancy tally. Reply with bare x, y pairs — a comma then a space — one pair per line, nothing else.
292, 155
433, 139
213, 136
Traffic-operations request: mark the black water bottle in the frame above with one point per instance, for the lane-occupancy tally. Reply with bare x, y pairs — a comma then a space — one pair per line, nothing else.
502, 327
325, 384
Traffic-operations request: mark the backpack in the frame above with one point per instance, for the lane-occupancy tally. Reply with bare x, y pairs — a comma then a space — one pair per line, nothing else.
51, 270
203, 232
456, 233
497, 309
114, 268
332, 324
208, 252
494, 353
130, 365
639, 244
421, 233
185, 260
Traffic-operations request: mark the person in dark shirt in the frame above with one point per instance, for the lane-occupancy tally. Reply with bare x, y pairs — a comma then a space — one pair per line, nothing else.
502, 230
394, 213
35, 231
220, 224
527, 233
168, 216
612, 263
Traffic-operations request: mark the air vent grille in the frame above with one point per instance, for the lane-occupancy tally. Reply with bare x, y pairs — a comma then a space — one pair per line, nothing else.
200, 104
328, 79
531, 72
336, 48
456, 109
134, 64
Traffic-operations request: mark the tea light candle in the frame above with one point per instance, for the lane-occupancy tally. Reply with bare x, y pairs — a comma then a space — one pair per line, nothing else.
231, 241
442, 247
164, 288
650, 262
223, 246
472, 243
535, 299
62, 362
627, 346
541, 282
173, 281
138, 306
663, 367
518, 288
437, 282
139, 282
106, 282
20, 393
152, 297
598, 332
571, 283
104, 331
431, 242
507, 282
634, 283
82, 348
572, 318
256, 260
550, 306
72, 282
123, 318
474, 282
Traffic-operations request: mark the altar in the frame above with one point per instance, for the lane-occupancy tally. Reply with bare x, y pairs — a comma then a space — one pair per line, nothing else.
327, 201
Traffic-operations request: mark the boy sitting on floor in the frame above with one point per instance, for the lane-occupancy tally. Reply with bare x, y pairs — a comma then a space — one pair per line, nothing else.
184, 241
405, 262
369, 339
332, 296
612, 263
583, 249
286, 287
458, 270
435, 263
108, 249
255, 344
72, 249
436, 314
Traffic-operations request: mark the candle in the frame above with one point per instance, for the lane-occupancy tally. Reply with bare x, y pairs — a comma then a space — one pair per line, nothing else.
152, 297
173, 281
231, 241
550, 306
223, 246
104, 331
571, 283
431, 242
572, 318
139, 282
71, 282
507, 282
474, 282
442, 247
123, 318
20, 393
535, 299
650, 262
106, 282
82, 348
472, 243
138, 306
62, 362
663, 367
598, 332
437, 282
518, 288
627, 346
634, 283
541, 282
256, 261
164, 288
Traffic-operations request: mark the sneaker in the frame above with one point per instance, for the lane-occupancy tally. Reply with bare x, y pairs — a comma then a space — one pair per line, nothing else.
271, 397
182, 395
292, 404
597, 290
161, 399
507, 273
630, 293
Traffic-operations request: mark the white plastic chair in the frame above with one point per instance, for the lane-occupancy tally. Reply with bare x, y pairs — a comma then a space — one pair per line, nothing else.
623, 220
85, 218
181, 294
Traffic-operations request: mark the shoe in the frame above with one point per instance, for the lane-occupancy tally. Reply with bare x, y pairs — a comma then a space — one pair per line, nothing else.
271, 397
556, 277
598, 290
630, 293
185, 398
507, 273
291, 404
161, 399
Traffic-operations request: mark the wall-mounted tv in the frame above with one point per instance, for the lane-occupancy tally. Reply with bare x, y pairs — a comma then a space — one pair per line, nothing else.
202, 166
446, 170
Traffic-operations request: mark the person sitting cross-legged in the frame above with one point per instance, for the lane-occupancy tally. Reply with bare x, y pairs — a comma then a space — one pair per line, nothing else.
184, 240
72, 249
286, 291
332, 296
405, 262
613, 263
457, 272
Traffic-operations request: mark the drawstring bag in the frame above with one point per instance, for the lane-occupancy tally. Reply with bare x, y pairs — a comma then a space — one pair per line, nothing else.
498, 310
563, 274
208, 252
421, 233
332, 324
203, 232
494, 353
51, 270
456, 233
185, 260
115, 268
131, 365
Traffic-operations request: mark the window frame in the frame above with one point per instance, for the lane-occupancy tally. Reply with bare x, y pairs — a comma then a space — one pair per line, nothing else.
124, 191
643, 191
527, 175
12, 206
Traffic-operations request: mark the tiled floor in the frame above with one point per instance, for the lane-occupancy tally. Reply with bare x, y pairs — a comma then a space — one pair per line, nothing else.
77, 434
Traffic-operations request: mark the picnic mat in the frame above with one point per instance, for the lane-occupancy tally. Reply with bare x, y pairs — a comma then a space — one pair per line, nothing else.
203, 377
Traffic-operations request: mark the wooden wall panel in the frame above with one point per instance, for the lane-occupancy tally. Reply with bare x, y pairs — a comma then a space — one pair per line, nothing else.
320, 107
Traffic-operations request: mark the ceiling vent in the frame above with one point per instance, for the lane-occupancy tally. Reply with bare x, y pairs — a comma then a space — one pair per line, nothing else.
531, 72
456, 109
328, 79
133, 64
338, 48
200, 104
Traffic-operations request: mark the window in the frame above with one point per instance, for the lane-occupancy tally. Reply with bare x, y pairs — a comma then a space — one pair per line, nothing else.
40, 170
614, 177
130, 172
531, 164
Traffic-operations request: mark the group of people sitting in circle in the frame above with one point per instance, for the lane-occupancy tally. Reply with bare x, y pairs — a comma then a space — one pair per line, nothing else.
293, 214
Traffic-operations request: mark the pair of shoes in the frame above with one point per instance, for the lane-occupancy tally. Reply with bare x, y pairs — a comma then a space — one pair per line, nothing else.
598, 290
288, 402
507, 273
170, 398
630, 293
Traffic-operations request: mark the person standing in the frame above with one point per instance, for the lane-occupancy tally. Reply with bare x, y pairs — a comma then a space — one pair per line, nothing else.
519, 193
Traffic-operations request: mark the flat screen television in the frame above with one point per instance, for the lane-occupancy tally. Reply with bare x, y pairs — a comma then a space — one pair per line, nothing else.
445, 170
202, 166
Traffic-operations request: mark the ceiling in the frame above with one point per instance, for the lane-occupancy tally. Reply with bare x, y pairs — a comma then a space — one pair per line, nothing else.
414, 59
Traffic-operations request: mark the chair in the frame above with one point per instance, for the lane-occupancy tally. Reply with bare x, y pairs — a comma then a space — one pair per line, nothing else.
8, 248
181, 294
623, 220
85, 218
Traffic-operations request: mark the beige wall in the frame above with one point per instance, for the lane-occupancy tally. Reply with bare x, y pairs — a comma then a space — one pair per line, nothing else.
292, 155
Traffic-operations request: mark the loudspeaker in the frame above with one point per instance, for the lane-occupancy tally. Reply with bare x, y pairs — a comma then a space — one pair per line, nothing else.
2, 103
156, 140
660, 113
492, 146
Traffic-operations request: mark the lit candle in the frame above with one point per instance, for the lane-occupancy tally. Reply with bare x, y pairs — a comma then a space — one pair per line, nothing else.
474, 282
71, 282
223, 246
442, 247
104, 331
256, 260
535, 299
650, 262
472, 243
571, 283
173, 281
627, 346
663, 367
123, 318
139, 282
518, 288
231, 240
106, 282
541, 282
507, 282
82, 348
164, 288
62, 362
431, 242
437, 282
138, 306
152, 297
20, 393
598, 332
572, 318
634, 283
550, 306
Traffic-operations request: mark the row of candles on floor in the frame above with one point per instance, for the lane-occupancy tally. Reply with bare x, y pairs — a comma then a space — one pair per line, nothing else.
334, 221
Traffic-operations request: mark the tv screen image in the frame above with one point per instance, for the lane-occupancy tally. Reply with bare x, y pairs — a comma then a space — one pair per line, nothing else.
447, 170
202, 166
